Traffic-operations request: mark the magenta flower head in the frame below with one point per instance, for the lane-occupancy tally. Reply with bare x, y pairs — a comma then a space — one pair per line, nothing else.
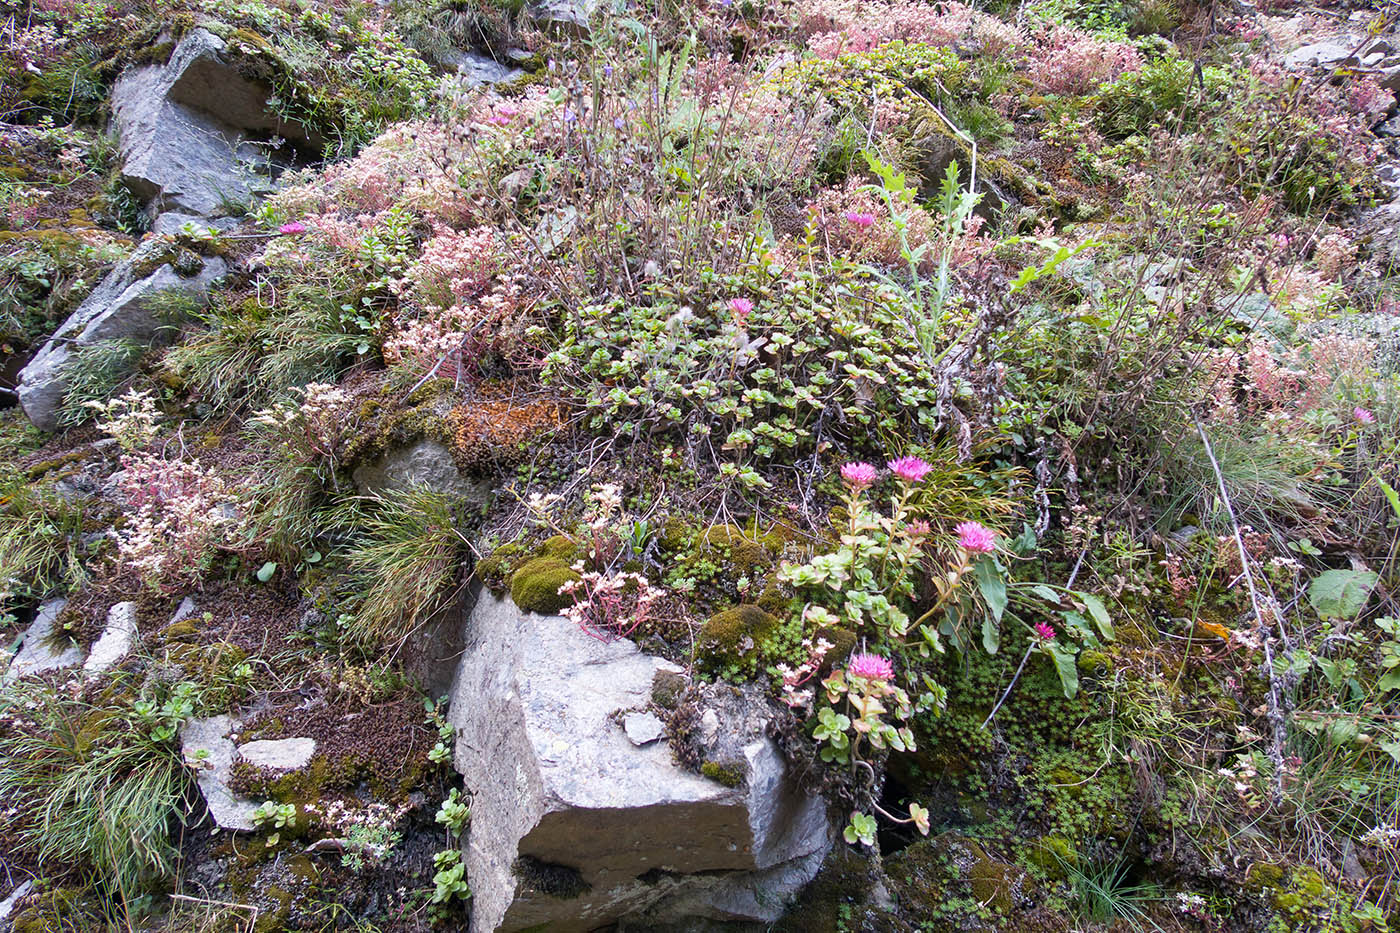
860, 219
870, 666
741, 307
976, 538
292, 228
909, 469
1363, 415
1044, 631
859, 475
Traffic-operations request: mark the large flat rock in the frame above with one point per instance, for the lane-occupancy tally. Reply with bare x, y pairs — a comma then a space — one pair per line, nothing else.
578, 825
186, 130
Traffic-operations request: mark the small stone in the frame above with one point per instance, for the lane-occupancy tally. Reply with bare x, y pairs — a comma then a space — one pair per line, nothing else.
279, 754
426, 462
7, 906
183, 611
206, 747
1323, 54
115, 641
709, 725
642, 728
36, 655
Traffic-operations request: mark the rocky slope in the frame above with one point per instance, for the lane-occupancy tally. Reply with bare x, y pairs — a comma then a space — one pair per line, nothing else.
838, 466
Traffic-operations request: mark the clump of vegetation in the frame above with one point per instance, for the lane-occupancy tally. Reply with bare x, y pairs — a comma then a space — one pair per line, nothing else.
982, 391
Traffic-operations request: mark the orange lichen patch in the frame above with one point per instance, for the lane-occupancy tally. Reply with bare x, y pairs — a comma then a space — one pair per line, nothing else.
492, 431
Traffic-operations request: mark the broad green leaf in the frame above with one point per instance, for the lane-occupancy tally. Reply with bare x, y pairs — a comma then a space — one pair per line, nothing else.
1099, 614
991, 586
266, 571
1391, 681
1341, 594
1066, 668
1391, 495
991, 635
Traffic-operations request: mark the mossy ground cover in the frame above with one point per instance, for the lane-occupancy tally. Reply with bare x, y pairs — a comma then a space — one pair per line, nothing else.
1042, 493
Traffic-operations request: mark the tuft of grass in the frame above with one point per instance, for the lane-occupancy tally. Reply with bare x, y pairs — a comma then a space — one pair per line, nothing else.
38, 534
1101, 893
97, 787
407, 552
96, 372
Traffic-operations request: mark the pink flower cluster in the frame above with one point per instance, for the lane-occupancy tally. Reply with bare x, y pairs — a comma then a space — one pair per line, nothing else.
910, 469
976, 538
860, 474
455, 265
870, 667
182, 514
1070, 61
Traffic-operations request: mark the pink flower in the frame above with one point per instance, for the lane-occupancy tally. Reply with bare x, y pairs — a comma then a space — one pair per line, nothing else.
741, 307
294, 227
859, 475
870, 666
860, 219
977, 538
1044, 631
917, 529
910, 469
1363, 415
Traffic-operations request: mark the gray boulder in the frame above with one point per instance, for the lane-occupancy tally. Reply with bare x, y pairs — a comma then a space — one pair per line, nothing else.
1379, 228
1328, 53
37, 653
425, 462
279, 754
475, 69
578, 826
187, 130
123, 306
569, 16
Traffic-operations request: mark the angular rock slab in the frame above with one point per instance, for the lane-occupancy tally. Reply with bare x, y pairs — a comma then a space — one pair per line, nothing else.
36, 655
115, 641
183, 129
560, 791
214, 770
279, 754
121, 307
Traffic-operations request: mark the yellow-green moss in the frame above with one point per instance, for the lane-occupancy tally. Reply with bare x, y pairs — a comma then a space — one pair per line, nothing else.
728, 634
560, 547
535, 585
729, 777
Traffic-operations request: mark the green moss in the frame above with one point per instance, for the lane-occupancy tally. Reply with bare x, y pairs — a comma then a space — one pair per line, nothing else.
560, 547
722, 774
743, 551
1095, 662
535, 585
666, 689
1263, 875
843, 642
993, 883
1052, 856
730, 634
